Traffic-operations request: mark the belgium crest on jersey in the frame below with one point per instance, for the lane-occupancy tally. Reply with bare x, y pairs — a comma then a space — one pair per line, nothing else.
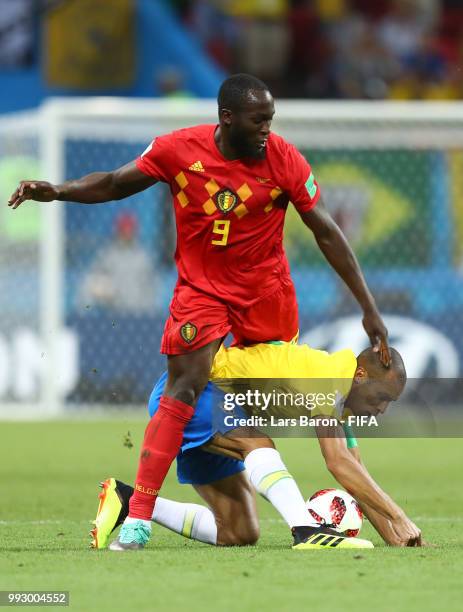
226, 200
188, 332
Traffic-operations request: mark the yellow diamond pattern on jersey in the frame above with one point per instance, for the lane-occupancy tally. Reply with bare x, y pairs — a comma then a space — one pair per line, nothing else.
209, 207
276, 191
182, 198
240, 211
244, 192
211, 187
182, 182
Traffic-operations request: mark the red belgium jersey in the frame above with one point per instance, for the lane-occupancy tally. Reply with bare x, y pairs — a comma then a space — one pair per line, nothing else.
230, 214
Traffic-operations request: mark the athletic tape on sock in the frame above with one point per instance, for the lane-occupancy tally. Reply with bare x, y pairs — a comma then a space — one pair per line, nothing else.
268, 481
188, 523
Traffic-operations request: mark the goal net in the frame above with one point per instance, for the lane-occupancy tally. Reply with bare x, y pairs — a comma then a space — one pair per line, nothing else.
84, 290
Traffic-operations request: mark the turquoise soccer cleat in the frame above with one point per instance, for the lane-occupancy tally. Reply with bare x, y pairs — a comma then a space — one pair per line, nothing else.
132, 536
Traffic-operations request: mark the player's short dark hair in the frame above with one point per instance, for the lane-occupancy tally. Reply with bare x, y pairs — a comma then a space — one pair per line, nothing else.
371, 362
235, 90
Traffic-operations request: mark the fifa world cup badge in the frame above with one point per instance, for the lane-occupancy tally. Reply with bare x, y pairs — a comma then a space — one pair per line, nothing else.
188, 332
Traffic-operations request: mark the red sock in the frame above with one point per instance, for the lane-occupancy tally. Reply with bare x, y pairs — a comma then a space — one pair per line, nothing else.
162, 442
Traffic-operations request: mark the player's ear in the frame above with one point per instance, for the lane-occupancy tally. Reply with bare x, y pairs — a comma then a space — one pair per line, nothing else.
226, 116
360, 376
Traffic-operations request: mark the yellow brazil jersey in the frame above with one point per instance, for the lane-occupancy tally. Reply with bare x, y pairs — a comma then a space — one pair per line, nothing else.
289, 367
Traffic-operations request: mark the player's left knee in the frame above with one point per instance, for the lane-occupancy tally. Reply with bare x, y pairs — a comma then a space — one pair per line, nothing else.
250, 536
243, 532
233, 538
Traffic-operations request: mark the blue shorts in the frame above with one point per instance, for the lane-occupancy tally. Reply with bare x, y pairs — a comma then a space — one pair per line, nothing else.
194, 465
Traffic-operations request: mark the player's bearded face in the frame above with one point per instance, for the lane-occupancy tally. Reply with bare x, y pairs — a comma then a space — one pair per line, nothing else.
250, 128
246, 142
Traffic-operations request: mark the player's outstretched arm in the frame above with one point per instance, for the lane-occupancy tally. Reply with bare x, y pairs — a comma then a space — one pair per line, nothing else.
338, 253
382, 525
352, 476
94, 188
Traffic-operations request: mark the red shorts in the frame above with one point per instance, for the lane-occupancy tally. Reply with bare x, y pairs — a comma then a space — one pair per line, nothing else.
196, 319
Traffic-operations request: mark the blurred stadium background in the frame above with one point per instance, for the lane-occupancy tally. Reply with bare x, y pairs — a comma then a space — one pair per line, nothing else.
367, 90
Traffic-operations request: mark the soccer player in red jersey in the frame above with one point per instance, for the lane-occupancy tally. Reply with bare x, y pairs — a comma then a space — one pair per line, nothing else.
231, 184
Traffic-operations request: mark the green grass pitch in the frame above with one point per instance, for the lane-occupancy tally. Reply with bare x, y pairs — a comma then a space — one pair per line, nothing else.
49, 475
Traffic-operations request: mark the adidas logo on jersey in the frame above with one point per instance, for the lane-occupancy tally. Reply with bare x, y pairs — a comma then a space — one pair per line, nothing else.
197, 167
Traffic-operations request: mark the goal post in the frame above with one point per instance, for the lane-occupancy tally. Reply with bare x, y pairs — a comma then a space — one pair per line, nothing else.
71, 337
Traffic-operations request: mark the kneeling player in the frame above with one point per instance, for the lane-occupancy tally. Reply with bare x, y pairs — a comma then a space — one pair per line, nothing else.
220, 480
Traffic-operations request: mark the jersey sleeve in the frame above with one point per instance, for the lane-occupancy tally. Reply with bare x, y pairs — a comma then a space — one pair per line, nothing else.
158, 159
299, 181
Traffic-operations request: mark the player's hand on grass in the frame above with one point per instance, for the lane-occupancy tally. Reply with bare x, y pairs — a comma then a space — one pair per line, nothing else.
377, 332
40, 191
408, 534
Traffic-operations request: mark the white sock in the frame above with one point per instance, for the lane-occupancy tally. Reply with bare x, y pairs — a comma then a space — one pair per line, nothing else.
190, 520
269, 476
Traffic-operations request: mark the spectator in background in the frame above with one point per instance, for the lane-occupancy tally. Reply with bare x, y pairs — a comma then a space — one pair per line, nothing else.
342, 23
424, 75
360, 67
365, 69
263, 44
373, 10
122, 277
430, 12
402, 31
402, 49
245, 35
306, 73
216, 30
16, 33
